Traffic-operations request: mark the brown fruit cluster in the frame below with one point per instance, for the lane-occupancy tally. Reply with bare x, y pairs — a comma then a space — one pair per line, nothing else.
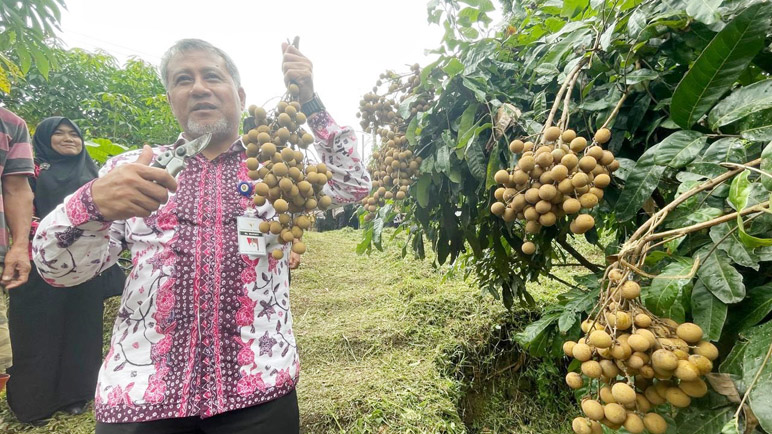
640, 362
559, 177
292, 186
394, 168
378, 111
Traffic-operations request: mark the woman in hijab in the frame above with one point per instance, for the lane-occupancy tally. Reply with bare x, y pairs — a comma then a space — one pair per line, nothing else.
56, 333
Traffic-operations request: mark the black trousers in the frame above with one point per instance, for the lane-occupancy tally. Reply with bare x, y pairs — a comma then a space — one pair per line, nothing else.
280, 416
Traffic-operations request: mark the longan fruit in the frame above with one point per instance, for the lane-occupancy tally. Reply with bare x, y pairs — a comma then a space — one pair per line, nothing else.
602, 136
638, 342
600, 339
548, 219
299, 247
607, 158
593, 409
623, 394
582, 352
595, 152
498, 208
528, 248
581, 425
588, 200
516, 146
571, 206
703, 364
578, 144
687, 371
677, 398
280, 169
579, 180
568, 135
664, 360
653, 396
509, 214
259, 200
280, 205
551, 134
530, 214
565, 186
609, 368
582, 223
543, 206
630, 290
647, 334
642, 320
547, 192
633, 423
568, 348
587, 164
275, 227
324, 202
532, 195
501, 176
570, 161
526, 163
706, 349
655, 423
695, 389
277, 254
559, 172
615, 413
592, 369
574, 380
691, 333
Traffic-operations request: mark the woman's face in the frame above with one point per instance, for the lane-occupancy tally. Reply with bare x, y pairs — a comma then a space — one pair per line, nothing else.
65, 140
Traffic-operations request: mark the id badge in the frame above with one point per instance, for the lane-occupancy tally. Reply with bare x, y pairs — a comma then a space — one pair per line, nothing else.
251, 240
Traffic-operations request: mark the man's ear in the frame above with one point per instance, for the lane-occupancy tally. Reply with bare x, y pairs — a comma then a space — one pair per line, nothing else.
242, 97
168, 99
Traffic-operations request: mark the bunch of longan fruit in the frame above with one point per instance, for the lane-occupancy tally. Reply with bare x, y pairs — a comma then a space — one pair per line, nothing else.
635, 363
561, 176
394, 168
378, 111
292, 186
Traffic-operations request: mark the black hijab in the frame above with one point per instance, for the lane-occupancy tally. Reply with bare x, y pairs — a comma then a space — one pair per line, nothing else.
60, 175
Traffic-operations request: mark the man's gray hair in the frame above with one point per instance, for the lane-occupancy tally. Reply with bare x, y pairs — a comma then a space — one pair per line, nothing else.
186, 45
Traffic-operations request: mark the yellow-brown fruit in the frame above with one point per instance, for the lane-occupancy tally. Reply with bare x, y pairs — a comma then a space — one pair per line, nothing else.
528, 248
581, 425
687, 371
706, 349
568, 135
501, 177
530, 214
615, 413
623, 394
547, 192
635, 361
572, 206
574, 380
606, 396
595, 152
566, 187
588, 200
259, 200
695, 389
578, 144
602, 180
633, 423
630, 290
642, 403
638, 342
568, 348
264, 227
607, 158
286, 184
579, 180
582, 223
299, 247
602, 136
509, 214
677, 398
261, 188
547, 219
287, 154
324, 202
532, 195
691, 333
703, 364
543, 207
592, 369
280, 205
497, 208
655, 423
259, 113
277, 254
498, 194
653, 396
642, 320
582, 352
609, 368
532, 227
284, 219
551, 134
600, 339
526, 163
559, 172
307, 139
664, 360
593, 409
252, 163
287, 236
516, 146
280, 169
587, 164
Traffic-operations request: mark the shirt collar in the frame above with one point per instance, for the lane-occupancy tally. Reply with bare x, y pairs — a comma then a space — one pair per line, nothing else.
237, 146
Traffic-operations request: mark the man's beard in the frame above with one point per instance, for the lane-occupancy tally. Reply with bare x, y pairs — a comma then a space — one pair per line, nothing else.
217, 128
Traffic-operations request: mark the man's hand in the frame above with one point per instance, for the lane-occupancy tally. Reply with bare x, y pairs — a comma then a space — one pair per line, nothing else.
17, 266
299, 70
133, 190
294, 260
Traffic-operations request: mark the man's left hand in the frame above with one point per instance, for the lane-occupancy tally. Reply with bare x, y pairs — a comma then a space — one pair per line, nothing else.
294, 260
299, 70
17, 267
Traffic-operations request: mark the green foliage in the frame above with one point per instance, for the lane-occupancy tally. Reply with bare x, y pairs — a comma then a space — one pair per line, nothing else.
25, 30
690, 80
123, 104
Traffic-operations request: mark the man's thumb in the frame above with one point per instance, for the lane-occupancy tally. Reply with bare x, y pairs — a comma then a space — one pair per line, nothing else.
146, 157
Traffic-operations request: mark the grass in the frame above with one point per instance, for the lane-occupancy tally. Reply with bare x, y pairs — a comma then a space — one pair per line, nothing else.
390, 345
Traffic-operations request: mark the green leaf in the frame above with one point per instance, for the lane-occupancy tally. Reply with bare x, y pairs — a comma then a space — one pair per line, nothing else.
693, 420
766, 165
733, 246
719, 65
453, 68
733, 363
636, 23
704, 11
475, 159
534, 335
493, 167
749, 240
741, 103
740, 191
757, 126
664, 297
679, 148
708, 312
720, 277
422, 189
640, 183
466, 125
732, 426
754, 308
640, 75
754, 361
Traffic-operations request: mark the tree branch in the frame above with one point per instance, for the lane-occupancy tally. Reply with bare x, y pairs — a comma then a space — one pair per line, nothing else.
578, 256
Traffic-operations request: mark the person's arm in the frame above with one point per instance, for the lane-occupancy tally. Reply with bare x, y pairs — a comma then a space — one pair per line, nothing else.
17, 202
84, 236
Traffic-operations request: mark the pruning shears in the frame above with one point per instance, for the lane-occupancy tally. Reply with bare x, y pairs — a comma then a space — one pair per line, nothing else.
174, 160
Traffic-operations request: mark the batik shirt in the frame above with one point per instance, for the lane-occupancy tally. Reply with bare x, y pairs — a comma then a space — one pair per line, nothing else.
201, 330
15, 159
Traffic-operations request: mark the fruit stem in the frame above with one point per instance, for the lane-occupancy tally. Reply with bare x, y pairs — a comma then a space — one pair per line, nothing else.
559, 95
755, 379
616, 110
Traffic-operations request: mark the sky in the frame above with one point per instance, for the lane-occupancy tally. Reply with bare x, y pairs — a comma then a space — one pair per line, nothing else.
350, 42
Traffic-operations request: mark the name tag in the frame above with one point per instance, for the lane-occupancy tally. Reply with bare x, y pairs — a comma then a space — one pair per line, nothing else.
251, 240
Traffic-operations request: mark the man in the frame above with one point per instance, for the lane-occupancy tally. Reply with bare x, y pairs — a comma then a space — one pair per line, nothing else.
16, 165
203, 341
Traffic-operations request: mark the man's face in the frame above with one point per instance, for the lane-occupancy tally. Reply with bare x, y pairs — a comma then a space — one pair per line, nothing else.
203, 96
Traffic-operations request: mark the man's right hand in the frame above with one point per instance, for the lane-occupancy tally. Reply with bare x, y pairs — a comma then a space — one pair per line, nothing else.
133, 189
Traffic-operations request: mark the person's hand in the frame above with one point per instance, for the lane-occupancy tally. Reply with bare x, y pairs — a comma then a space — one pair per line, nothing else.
299, 70
294, 260
133, 190
17, 266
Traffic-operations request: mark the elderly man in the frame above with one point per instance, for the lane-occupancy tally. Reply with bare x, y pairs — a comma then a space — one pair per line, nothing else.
16, 207
203, 341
